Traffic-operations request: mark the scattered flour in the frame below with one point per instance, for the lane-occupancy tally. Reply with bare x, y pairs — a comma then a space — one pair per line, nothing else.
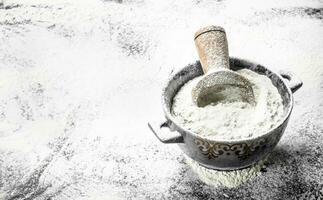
69, 48
235, 120
228, 179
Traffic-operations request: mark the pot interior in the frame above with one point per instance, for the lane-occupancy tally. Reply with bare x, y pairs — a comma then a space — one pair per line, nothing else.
193, 70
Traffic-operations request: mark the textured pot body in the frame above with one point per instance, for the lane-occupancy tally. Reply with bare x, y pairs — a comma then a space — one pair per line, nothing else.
226, 154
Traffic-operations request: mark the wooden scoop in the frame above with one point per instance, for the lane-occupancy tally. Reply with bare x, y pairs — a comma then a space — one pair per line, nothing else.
219, 83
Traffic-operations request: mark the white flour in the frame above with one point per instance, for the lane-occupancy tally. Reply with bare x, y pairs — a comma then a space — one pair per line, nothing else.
228, 179
234, 120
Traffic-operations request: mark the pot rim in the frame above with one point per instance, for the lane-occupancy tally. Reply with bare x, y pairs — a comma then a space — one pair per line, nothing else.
170, 118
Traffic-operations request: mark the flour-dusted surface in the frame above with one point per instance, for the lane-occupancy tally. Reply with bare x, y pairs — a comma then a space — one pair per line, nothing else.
231, 120
80, 79
228, 179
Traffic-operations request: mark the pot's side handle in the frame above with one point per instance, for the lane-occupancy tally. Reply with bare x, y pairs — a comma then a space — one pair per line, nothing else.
165, 133
293, 82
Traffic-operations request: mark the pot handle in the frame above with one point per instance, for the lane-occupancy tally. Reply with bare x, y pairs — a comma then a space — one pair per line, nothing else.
293, 82
165, 132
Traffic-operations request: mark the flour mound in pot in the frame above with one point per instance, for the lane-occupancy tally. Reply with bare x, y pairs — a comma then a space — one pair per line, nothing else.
231, 120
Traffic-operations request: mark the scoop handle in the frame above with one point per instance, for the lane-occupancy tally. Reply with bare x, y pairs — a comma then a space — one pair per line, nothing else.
212, 47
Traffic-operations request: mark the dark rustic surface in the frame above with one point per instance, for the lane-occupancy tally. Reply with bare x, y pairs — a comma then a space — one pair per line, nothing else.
80, 80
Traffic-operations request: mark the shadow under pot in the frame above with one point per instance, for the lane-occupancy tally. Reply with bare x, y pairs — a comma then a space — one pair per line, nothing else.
224, 154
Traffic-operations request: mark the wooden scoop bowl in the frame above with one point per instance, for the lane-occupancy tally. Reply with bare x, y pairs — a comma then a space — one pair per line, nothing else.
219, 83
